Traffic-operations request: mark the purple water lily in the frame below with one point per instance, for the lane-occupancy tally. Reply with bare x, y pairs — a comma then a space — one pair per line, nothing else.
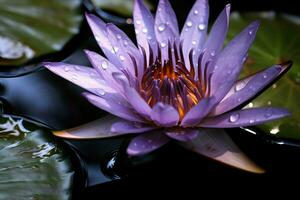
173, 86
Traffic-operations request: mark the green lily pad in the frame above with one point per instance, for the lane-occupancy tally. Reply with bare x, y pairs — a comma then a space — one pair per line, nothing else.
121, 7
32, 165
277, 40
31, 28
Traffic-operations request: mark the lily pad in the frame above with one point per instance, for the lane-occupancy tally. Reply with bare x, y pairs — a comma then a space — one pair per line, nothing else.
31, 28
32, 165
121, 7
277, 41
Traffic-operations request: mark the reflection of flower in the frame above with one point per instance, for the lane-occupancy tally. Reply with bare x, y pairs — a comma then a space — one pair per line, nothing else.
175, 86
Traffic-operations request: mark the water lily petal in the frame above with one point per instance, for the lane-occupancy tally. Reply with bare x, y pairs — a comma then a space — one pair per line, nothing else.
127, 53
84, 77
131, 127
217, 145
100, 128
166, 27
146, 143
197, 113
246, 117
217, 35
230, 62
244, 90
98, 28
194, 30
137, 102
144, 26
114, 104
164, 115
183, 134
105, 69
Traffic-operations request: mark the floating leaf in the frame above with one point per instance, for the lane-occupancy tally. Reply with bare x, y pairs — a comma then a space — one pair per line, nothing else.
277, 40
31, 28
32, 166
122, 7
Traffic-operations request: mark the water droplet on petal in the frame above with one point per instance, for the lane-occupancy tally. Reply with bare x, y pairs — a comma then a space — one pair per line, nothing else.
67, 69
119, 36
234, 117
138, 22
163, 44
104, 65
194, 42
269, 103
201, 27
196, 12
144, 30
265, 76
239, 99
149, 37
250, 32
122, 58
240, 85
125, 42
274, 130
268, 114
161, 27
189, 24
213, 53
251, 121
136, 31
101, 92
250, 105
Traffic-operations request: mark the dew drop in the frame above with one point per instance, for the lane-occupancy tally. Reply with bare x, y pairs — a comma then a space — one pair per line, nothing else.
201, 27
240, 85
250, 32
138, 22
163, 44
269, 103
119, 36
274, 86
239, 99
274, 130
144, 30
122, 58
213, 53
196, 12
250, 105
67, 69
251, 121
234, 117
136, 31
115, 49
265, 76
194, 42
161, 27
125, 42
149, 37
104, 65
101, 92
189, 24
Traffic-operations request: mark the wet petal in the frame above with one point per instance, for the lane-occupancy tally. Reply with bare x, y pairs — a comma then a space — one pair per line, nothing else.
125, 50
100, 128
246, 117
244, 90
146, 143
230, 62
217, 145
197, 113
144, 26
182, 134
194, 30
217, 35
131, 127
104, 68
137, 102
164, 115
85, 77
166, 27
114, 104
98, 28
